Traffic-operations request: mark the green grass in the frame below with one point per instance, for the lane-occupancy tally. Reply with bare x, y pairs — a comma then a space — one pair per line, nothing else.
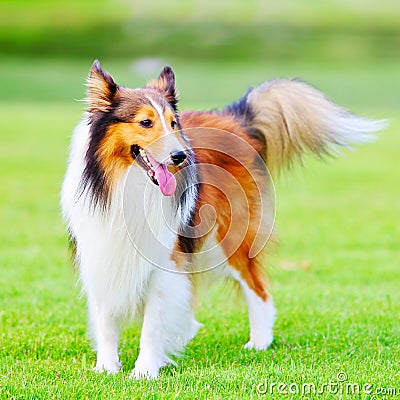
340, 218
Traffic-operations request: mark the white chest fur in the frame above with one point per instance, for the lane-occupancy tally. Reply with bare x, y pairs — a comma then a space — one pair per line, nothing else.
118, 249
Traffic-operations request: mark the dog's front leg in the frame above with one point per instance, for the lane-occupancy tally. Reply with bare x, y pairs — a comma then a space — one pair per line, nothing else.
167, 322
105, 333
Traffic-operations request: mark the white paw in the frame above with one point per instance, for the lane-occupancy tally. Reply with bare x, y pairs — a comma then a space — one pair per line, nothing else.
258, 344
145, 369
111, 367
144, 373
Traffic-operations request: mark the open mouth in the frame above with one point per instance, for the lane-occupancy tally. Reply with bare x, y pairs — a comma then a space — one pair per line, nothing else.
157, 172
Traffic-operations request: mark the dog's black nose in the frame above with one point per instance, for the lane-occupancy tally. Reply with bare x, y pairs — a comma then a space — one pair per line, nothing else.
178, 157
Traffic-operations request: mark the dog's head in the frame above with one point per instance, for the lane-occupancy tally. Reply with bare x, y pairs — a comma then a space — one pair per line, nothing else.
137, 127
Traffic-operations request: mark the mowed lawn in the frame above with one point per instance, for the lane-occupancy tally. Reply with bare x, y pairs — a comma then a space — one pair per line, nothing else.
334, 275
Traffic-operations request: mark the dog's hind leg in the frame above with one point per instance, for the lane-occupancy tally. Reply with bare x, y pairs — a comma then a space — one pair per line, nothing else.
105, 333
260, 306
167, 322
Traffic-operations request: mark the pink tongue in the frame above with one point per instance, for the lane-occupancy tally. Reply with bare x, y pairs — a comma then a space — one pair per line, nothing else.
166, 180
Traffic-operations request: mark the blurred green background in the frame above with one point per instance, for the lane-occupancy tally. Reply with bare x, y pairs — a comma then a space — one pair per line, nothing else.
349, 48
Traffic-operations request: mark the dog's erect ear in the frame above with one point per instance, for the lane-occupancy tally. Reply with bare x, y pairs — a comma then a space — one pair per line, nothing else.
165, 84
101, 89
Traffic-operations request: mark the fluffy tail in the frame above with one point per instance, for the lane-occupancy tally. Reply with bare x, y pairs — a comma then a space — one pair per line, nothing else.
295, 118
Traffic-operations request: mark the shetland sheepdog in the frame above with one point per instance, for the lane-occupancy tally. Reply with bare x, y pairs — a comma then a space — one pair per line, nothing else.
153, 196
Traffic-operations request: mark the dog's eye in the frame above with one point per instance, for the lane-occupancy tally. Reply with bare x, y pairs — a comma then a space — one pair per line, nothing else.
173, 124
146, 123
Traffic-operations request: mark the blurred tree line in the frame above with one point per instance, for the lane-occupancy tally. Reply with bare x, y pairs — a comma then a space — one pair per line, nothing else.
254, 29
